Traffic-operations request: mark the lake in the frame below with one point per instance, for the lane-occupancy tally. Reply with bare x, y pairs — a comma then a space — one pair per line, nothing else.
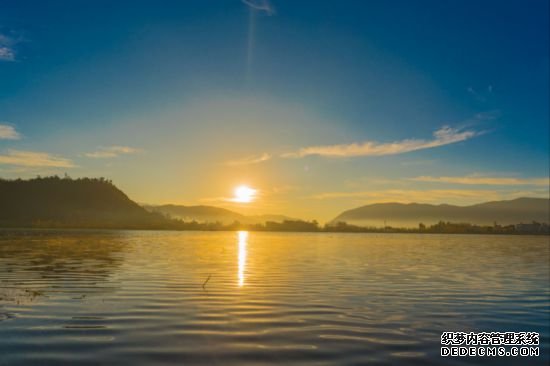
238, 298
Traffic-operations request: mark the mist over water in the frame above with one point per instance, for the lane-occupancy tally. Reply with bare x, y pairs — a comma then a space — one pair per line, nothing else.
132, 297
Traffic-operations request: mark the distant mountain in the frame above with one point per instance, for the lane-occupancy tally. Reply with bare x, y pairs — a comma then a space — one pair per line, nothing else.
197, 213
212, 214
521, 210
65, 202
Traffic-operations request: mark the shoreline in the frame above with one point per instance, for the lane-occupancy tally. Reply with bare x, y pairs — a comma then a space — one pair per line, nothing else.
321, 231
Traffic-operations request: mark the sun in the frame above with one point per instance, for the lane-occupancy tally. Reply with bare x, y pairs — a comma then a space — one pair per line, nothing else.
244, 194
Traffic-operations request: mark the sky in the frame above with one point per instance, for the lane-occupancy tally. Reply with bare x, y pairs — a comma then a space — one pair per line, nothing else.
320, 106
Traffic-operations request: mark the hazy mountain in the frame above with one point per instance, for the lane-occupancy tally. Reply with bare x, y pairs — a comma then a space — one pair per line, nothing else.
82, 203
197, 213
212, 214
408, 215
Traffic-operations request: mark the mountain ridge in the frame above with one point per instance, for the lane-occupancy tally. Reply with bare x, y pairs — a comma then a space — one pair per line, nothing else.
97, 203
523, 209
205, 213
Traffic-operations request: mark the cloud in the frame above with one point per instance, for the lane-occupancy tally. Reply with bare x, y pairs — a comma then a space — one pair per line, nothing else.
260, 5
255, 159
6, 54
34, 159
400, 195
455, 196
112, 152
418, 162
6, 48
8, 132
444, 136
480, 180
482, 95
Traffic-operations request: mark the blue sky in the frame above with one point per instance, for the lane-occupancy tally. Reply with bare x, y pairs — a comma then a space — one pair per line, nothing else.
319, 105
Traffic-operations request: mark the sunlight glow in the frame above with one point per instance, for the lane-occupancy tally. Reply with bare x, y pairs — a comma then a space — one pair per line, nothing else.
244, 194
243, 239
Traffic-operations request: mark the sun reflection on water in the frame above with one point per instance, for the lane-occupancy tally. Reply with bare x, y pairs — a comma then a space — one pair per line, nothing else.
243, 239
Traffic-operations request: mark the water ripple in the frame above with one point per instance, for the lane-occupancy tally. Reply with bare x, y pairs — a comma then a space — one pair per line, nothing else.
126, 297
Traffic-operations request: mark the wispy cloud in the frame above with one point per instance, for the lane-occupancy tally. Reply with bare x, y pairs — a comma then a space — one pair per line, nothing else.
418, 162
400, 195
7, 52
260, 5
112, 152
255, 159
444, 136
8, 132
34, 159
480, 95
481, 180
456, 196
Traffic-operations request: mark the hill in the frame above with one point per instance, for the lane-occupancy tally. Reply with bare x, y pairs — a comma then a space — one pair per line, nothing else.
212, 214
197, 213
514, 211
75, 203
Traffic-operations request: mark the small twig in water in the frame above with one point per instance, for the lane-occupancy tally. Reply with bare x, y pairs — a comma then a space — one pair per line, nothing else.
205, 282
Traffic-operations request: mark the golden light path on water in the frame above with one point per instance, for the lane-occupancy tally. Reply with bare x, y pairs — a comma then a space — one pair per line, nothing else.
243, 239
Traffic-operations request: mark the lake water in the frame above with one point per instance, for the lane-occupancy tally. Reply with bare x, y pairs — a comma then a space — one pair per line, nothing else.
137, 297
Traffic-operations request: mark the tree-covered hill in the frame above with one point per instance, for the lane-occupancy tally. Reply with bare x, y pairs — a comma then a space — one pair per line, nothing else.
65, 202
